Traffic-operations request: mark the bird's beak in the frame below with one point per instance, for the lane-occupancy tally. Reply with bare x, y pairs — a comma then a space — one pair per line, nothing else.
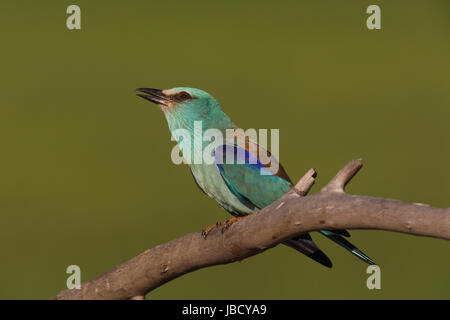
154, 95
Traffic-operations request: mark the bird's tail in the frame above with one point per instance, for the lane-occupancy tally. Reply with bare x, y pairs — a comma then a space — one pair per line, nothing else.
336, 237
305, 245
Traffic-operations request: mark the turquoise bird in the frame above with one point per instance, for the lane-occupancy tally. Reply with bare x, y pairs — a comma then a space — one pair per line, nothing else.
241, 187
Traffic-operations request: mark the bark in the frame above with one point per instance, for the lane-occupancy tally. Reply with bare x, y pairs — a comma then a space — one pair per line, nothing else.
293, 214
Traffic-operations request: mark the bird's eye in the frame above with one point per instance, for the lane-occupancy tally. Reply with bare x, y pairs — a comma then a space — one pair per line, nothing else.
182, 96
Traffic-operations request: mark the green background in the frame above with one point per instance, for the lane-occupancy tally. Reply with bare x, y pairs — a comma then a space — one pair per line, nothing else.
85, 170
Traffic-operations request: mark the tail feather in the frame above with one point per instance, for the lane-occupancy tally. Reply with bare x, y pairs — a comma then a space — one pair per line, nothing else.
342, 233
347, 245
305, 245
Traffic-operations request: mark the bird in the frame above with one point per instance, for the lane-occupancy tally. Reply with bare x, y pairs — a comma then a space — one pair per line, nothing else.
241, 188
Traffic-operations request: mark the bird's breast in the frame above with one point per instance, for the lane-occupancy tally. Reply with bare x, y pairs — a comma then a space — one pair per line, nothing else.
211, 182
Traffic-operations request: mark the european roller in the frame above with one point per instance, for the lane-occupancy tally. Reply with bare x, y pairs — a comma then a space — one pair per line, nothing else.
240, 187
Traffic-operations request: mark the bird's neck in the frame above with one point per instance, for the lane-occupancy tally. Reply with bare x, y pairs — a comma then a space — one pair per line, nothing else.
195, 134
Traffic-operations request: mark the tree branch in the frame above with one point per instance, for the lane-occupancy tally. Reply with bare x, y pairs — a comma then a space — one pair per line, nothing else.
286, 218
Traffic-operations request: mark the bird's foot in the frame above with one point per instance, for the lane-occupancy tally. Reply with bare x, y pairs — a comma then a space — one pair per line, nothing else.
225, 226
228, 223
208, 229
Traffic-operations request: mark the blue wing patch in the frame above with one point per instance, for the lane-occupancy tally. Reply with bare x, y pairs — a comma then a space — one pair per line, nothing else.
247, 177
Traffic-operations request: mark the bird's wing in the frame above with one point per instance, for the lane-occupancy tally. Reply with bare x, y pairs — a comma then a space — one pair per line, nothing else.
255, 182
244, 178
248, 178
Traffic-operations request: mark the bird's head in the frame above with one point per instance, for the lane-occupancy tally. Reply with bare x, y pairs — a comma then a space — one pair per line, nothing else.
184, 105
180, 99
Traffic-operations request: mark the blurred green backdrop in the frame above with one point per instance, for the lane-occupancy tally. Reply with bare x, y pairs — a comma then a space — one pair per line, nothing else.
86, 176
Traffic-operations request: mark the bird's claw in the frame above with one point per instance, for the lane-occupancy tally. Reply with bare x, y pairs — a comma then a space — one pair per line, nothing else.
225, 226
207, 230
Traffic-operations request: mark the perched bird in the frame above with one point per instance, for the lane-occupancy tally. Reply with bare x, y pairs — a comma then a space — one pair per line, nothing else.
241, 188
